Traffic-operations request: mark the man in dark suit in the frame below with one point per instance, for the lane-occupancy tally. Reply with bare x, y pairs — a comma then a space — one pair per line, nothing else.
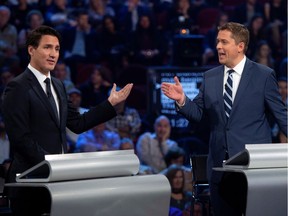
254, 94
36, 126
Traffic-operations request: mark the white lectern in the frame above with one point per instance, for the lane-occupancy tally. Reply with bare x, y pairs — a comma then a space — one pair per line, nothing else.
264, 167
98, 183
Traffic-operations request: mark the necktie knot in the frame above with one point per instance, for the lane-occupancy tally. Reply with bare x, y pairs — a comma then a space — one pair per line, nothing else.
230, 71
48, 87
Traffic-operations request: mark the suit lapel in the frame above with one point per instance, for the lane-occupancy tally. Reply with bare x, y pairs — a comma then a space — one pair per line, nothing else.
59, 92
245, 78
35, 85
219, 82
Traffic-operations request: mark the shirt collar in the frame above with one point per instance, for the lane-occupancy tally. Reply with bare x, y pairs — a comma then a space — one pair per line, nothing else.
238, 68
40, 76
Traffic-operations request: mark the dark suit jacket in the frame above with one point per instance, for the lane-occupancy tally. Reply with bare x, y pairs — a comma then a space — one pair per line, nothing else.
257, 95
32, 127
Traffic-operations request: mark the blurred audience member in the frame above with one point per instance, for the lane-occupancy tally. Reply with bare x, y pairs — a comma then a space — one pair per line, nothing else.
147, 45
74, 95
98, 139
19, 13
257, 33
276, 16
210, 55
263, 54
79, 46
96, 89
34, 19
180, 198
277, 134
181, 17
127, 123
126, 144
59, 14
152, 147
130, 13
4, 143
62, 72
244, 12
97, 9
8, 40
112, 44
176, 155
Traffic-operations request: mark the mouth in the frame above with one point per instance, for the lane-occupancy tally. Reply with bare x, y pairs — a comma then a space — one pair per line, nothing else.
51, 62
221, 54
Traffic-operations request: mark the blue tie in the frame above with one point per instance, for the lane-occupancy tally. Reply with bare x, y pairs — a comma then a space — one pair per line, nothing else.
228, 94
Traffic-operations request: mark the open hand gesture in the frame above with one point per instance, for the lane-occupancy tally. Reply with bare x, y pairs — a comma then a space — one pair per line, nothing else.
174, 91
117, 97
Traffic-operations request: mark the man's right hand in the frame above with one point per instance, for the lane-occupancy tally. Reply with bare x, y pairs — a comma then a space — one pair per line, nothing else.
174, 91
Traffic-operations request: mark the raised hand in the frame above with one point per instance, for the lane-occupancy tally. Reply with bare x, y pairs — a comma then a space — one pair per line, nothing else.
174, 91
117, 97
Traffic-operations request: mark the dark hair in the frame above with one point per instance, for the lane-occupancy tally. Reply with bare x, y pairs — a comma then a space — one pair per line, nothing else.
171, 173
31, 13
240, 33
174, 153
35, 36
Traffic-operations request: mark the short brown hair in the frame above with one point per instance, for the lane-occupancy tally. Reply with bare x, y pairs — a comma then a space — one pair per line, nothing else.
239, 32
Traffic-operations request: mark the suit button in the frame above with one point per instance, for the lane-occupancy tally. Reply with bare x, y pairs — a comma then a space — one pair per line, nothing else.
227, 129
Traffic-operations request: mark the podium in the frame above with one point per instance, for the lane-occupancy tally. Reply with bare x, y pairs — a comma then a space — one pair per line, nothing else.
98, 183
263, 170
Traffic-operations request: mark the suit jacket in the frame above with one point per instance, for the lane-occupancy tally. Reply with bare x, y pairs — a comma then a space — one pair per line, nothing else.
256, 96
32, 127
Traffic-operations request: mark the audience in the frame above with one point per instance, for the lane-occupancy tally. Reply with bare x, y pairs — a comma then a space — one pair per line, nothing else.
62, 72
127, 123
180, 198
152, 146
97, 139
75, 96
95, 90
8, 40
80, 44
34, 19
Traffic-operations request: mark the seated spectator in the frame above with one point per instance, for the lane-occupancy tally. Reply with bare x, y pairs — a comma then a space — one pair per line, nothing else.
74, 95
257, 33
130, 13
97, 9
8, 40
276, 16
182, 17
97, 139
34, 19
147, 46
95, 90
278, 136
152, 147
176, 156
180, 198
126, 144
127, 123
79, 46
59, 14
244, 12
62, 72
210, 55
4, 143
20, 11
263, 54
112, 44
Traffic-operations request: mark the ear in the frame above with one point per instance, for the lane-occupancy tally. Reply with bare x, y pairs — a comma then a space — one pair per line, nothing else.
241, 47
31, 50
